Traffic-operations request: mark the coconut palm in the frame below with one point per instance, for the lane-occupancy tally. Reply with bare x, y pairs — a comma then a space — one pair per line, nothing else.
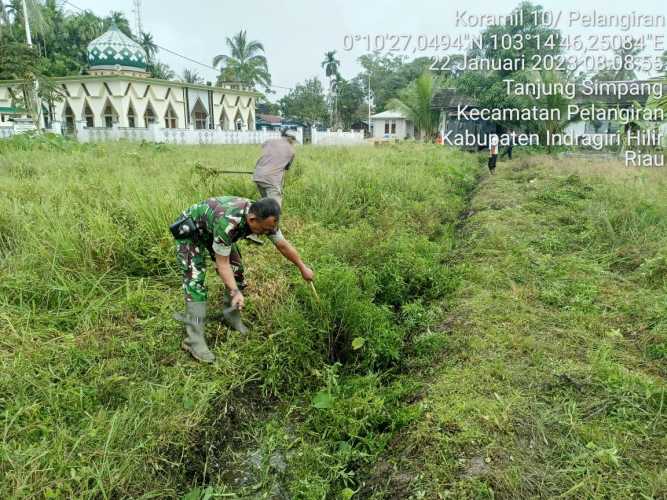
191, 76
334, 88
331, 65
245, 63
148, 44
161, 71
414, 103
85, 27
121, 22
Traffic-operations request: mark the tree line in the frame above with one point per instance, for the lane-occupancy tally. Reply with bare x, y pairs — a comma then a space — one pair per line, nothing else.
60, 39
392, 81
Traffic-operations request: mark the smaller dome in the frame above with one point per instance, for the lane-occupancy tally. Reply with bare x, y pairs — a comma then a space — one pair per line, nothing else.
114, 49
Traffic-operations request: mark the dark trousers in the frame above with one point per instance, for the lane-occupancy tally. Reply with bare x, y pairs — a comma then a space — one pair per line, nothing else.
492, 162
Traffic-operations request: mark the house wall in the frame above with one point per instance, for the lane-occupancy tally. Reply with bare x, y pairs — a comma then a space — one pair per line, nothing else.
404, 128
576, 128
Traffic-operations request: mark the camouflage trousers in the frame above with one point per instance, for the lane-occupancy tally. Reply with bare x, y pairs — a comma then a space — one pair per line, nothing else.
191, 259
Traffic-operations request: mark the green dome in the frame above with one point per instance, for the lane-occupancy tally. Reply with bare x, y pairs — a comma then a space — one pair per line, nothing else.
114, 49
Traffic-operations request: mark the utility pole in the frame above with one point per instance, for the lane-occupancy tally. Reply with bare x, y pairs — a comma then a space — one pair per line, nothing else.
138, 26
38, 104
27, 24
369, 102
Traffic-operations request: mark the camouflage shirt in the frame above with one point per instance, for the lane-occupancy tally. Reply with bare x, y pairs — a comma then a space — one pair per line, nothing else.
223, 220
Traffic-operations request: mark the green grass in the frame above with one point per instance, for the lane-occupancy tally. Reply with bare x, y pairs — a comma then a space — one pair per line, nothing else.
553, 382
473, 340
96, 398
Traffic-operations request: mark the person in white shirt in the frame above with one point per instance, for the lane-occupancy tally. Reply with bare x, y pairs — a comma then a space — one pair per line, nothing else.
493, 153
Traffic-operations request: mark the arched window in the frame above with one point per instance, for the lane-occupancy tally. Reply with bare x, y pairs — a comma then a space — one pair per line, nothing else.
88, 116
239, 124
170, 118
131, 117
224, 121
68, 118
110, 115
149, 116
199, 116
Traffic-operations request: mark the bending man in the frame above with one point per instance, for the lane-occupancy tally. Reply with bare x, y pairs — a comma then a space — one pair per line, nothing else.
215, 225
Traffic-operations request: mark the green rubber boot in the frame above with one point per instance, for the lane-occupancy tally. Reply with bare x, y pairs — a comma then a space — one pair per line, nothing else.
232, 315
195, 343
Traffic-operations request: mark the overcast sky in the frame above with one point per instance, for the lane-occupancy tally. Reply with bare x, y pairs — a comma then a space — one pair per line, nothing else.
297, 33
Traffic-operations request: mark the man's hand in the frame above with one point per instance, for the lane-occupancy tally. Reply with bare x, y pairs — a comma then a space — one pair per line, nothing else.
290, 253
307, 273
238, 300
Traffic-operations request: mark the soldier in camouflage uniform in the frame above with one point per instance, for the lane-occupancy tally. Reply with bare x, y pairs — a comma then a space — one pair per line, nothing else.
221, 222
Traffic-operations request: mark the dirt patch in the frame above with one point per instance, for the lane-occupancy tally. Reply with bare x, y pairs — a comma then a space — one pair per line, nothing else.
388, 478
212, 450
476, 467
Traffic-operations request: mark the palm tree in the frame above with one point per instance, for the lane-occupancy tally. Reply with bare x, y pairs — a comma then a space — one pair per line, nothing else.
121, 22
334, 88
161, 71
245, 64
331, 65
415, 104
148, 44
191, 76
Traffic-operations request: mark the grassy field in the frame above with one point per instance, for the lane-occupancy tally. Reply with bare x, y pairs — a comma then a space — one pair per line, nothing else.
97, 399
552, 383
476, 337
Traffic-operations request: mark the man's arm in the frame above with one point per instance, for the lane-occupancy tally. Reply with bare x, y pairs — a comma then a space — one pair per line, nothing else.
290, 253
226, 274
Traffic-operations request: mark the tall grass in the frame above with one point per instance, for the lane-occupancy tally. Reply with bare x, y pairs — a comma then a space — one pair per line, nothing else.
97, 399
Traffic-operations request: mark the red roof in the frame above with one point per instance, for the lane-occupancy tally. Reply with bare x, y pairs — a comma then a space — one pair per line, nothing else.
273, 119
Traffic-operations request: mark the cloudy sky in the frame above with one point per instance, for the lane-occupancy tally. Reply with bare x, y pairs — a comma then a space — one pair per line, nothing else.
297, 33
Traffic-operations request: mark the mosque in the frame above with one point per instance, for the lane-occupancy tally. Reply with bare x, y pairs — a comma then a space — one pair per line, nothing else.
118, 92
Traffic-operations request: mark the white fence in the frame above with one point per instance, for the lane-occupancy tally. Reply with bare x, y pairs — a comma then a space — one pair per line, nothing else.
179, 136
155, 133
338, 138
18, 126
